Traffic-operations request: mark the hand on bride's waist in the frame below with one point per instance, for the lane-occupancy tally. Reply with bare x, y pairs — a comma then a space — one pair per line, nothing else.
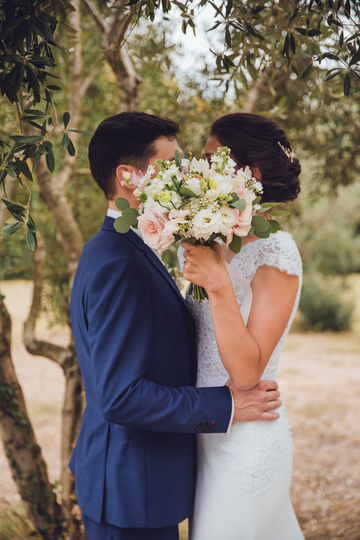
256, 403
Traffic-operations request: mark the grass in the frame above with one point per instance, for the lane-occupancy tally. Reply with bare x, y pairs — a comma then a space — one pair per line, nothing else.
15, 526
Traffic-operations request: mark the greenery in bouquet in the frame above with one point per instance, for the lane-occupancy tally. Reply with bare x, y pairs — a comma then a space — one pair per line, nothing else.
196, 201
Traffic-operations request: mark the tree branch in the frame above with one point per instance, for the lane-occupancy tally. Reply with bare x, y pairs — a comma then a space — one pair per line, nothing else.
96, 15
115, 30
40, 348
86, 83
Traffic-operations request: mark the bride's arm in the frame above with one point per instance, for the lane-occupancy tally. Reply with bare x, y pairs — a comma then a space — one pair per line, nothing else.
244, 350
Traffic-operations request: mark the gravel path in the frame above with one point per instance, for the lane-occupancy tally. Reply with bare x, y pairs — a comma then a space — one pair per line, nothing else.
320, 383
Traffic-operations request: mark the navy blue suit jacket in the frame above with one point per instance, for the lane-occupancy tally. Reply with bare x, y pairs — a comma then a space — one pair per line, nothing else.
134, 460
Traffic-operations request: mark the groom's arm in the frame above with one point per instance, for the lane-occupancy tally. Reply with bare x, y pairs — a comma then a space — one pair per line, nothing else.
119, 313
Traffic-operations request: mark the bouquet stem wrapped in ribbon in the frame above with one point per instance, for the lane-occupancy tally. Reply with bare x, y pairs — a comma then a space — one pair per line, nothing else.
191, 200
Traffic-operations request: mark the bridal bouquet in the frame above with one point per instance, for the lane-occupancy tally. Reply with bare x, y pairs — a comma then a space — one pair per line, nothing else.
191, 200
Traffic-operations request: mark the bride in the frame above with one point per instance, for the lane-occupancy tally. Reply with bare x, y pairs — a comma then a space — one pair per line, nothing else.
243, 477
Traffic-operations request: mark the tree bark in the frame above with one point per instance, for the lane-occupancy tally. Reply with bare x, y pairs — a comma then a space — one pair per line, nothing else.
22, 450
119, 60
52, 189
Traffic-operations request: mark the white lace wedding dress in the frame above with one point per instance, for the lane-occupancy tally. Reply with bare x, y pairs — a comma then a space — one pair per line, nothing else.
243, 477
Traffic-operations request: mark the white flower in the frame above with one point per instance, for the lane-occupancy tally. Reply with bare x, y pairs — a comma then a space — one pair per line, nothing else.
185, 164
211, 194
137, 192
153, 207
176, 199
175, 218
228, 220
200, 165
205, 223
258, 187
193, 184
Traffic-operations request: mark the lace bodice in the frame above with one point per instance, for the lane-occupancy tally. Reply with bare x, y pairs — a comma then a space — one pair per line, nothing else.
253, 448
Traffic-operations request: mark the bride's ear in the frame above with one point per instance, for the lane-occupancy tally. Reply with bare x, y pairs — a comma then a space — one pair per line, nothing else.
256, 172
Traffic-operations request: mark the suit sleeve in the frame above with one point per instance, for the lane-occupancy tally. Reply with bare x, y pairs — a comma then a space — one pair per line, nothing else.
119, 313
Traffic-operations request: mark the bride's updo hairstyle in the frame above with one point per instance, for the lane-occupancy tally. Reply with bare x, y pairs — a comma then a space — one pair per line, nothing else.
254, 141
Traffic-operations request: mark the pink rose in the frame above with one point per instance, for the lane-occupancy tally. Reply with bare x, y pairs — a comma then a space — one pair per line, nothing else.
152, 228
243, 224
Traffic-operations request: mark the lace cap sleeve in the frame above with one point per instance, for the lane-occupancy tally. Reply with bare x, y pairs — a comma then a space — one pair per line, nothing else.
181, 257
280, 251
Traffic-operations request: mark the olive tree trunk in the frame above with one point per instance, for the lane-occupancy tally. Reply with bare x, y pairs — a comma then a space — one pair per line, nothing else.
22, 450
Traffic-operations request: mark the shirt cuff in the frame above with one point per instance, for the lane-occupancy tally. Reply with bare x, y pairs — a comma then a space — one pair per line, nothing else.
232, 413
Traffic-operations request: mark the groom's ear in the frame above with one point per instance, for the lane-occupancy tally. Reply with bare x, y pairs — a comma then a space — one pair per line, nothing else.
120, 170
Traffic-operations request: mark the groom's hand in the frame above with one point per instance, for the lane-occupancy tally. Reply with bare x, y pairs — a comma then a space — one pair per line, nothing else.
256, 403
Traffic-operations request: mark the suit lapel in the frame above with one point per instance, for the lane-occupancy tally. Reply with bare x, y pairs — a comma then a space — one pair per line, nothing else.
108, 225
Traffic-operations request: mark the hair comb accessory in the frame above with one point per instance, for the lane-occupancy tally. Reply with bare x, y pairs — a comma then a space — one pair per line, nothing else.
287, 151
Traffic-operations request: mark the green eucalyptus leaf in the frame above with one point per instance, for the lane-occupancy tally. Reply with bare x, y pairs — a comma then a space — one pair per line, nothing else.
235, 197
240, 204
235, 244
270, 204
178, 158
255, 201
279, 213
260, 224
121, 204
275, 226
264, 234
187, 192
130, 216
121, 226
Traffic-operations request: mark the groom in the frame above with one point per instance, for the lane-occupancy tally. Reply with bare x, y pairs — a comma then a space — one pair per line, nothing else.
134, 460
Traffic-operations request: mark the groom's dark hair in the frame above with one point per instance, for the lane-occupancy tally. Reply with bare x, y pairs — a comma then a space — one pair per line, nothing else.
127, 138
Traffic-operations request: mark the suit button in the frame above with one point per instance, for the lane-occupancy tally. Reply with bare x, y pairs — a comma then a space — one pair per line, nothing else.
213, 428
199, 429
206, 429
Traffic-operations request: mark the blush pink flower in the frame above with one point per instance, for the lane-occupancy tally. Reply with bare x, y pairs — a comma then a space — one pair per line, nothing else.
243, 221
152, 228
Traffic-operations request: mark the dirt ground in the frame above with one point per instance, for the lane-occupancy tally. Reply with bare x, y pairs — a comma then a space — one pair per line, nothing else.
320, 383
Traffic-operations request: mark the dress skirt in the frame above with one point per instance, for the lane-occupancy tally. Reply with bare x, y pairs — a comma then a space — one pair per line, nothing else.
225, 511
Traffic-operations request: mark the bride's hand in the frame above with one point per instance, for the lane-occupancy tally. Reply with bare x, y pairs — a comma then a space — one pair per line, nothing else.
205, 266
